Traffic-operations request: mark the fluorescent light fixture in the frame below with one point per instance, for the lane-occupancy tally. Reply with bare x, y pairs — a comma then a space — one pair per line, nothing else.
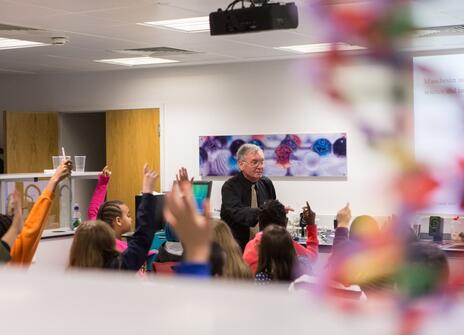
134, 61
320, 47
189, 25
10, 43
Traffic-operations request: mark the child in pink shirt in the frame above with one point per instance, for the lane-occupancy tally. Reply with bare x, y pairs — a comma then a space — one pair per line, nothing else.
115, 213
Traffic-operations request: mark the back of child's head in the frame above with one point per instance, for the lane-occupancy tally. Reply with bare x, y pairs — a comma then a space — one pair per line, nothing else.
5, 223
109, 211
93, 245
277, 255
223, 235
363, 227
426, 270
235, 267
272, 212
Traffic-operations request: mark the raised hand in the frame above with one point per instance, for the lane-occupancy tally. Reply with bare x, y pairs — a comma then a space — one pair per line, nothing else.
308, 215
344, 216
106, 172
61, 172
149, 179
192, 228
182, 175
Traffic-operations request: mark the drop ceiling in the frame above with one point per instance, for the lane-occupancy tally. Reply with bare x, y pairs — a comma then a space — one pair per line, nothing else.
97, 29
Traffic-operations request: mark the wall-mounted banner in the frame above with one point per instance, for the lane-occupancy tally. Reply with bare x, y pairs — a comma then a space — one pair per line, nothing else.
299, 155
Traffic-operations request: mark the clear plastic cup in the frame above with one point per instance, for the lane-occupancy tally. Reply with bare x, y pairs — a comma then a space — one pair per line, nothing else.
79, 162
58, 159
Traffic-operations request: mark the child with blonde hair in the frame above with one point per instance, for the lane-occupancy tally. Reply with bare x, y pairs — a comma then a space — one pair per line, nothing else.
235, 267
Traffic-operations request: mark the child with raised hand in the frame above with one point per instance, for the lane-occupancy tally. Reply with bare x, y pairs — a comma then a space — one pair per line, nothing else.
94, 242
193, 229
26, 243
15, 226
114, 212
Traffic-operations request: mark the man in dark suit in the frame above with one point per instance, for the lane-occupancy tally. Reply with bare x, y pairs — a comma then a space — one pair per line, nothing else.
243, 194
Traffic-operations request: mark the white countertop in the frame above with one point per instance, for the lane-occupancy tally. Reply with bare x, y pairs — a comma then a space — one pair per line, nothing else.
32, 176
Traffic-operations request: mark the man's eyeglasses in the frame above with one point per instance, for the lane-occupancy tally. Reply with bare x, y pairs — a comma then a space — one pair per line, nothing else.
255, 163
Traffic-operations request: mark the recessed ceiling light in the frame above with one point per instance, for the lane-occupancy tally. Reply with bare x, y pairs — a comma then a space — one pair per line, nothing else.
10, 43
189, 25
134, 61
320, 47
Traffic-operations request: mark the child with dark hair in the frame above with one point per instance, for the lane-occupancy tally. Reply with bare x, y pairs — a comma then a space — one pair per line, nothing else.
277, 256
115, 212
273, 212
117, 215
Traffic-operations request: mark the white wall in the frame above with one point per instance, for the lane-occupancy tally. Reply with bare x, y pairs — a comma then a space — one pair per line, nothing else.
265, 97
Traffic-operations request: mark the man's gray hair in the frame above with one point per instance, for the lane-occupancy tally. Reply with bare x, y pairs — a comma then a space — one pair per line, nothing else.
245, 149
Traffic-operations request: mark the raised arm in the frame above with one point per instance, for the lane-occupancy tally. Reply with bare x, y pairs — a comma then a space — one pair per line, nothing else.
26, 244
312, 241
341, 233
193, 229
99, 194
139, 245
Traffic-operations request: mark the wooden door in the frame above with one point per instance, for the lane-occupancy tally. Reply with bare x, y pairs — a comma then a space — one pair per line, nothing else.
31, 141
132, 139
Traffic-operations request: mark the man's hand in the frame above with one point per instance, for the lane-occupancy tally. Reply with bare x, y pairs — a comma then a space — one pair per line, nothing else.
182, 175
344, 216
149, 179
192, 228
308, 215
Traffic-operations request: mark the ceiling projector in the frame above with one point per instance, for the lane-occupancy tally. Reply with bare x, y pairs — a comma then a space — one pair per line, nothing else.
266, 16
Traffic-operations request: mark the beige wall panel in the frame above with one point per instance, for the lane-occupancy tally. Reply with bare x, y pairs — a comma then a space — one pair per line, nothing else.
131, 140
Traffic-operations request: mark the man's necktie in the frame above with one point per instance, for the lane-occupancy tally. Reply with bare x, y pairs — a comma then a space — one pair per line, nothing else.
254, 204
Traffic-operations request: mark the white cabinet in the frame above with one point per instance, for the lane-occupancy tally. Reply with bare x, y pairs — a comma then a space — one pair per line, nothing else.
36, 182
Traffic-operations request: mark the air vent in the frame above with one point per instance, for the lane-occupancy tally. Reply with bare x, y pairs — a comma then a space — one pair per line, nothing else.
157, 51
440, 31
7, 27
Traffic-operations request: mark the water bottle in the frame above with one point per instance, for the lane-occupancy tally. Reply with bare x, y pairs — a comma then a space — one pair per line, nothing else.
76, 217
